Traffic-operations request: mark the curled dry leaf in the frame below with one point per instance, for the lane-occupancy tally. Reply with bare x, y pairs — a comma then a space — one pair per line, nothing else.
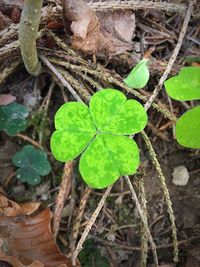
25, 232
6, 99
110, 33
11, 209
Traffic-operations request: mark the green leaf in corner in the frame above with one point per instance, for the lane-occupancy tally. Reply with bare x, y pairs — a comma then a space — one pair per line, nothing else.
185, 86
32, 164
13, 118
139, 75
188, 128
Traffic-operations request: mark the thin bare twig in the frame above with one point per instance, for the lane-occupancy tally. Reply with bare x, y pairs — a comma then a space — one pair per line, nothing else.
64, 191
143, 219
33, 142
173, 56
90, 224
144, 237
135, 5
60, 77
79, 217
45, 106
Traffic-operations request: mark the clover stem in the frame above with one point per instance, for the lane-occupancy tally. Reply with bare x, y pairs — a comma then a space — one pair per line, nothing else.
165, 191
28, 29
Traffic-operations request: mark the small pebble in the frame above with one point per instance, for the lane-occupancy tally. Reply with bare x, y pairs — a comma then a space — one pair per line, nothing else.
180, 176
111, 237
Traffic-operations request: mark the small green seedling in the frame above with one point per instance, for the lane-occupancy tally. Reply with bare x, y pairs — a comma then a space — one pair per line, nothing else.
13, 118
100, 132
32, 164
139, 75
184, 87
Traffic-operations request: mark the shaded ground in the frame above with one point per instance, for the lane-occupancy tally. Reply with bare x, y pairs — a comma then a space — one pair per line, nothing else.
115, 238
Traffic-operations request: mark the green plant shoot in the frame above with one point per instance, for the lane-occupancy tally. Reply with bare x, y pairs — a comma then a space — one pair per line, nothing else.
139, 75
13, 118
100, 132
32, 164
186, 86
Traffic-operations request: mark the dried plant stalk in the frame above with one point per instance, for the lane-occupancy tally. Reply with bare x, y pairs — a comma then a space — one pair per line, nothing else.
29, 25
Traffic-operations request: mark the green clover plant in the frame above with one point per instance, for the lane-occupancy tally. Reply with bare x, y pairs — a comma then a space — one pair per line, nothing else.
100, 132
13, 118
183, 87
139, 75
32, 164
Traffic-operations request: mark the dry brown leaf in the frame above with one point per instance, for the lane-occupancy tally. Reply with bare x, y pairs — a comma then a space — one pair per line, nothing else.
6, 99
26, 232
110, 33
15, 262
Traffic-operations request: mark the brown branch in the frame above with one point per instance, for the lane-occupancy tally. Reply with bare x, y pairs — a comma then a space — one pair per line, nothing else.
28, 29
79, 217
64, 191
135, 5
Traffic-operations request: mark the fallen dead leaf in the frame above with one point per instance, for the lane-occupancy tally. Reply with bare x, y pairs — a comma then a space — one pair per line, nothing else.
25, 231
110, 33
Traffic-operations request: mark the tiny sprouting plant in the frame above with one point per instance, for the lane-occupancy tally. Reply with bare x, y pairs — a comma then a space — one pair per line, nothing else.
183, 87
32, 164
13, 118
139, 75
100, 132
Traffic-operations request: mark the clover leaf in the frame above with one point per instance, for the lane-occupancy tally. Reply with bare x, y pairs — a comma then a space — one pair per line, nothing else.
188, 128
12, 118
185, 86
139, 75
32, 164
99, 131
